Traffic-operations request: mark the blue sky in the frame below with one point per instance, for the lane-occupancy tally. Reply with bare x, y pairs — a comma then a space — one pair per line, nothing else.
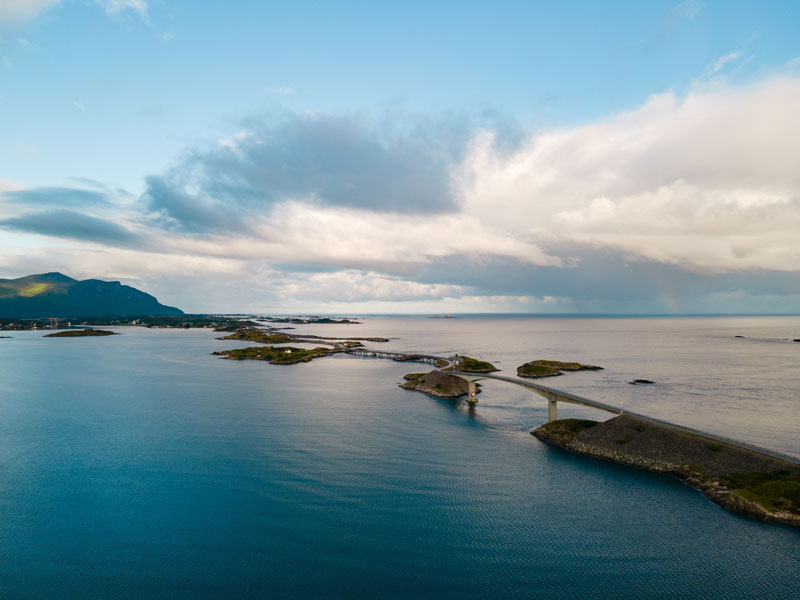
406, 157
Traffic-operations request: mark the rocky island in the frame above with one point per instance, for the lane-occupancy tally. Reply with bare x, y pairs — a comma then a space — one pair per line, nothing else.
473, 365
551, 368
70, 333
286, 355
740, 480
283, 355
436, 383
312, 320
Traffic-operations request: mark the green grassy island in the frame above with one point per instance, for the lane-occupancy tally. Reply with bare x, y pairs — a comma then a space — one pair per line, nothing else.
312, 321
286, 355
283, 355
257, 335
740, 480
271, 336
69, 333
473, 365
551, 368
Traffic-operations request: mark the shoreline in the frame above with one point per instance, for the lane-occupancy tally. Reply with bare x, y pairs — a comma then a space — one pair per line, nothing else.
742, 481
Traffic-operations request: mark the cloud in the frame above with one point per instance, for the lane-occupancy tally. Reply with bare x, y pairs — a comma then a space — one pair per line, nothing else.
346, 161
668, 207
17, 11
718, 64
74, 225
8, 186
357, 286
687, 10
707, 181
114, 7
283, 90
55, 196
306, 234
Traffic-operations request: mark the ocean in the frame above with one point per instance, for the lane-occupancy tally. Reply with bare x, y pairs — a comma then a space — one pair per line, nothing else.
141, 466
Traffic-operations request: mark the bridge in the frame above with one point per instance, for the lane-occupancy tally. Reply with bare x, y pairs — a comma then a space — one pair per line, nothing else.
401, 356
554, 396
450, 365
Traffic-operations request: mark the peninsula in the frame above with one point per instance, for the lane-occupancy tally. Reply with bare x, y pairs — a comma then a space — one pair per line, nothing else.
740, 480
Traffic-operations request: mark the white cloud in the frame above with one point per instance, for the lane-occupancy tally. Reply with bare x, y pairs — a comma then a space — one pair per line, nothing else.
16, 11
709, 181
352, 285
282, 90
113, 7
718, 64
688, 9
8, 186
310, 234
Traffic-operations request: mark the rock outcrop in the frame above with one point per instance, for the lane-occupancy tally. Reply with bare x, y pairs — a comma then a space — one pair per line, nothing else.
436, 383
551, 368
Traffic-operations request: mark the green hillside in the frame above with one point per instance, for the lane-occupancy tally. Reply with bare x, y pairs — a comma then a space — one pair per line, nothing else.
56, 295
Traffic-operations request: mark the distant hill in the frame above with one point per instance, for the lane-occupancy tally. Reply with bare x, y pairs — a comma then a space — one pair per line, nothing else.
56, 295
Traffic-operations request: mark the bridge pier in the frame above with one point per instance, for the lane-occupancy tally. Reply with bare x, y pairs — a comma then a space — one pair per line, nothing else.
552, 410
472, 390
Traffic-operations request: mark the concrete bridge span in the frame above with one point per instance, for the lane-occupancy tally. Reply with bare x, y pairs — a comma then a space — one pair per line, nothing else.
552, 395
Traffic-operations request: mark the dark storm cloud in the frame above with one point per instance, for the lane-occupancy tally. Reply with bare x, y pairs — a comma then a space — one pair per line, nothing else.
341, 161
609, 281
75, 225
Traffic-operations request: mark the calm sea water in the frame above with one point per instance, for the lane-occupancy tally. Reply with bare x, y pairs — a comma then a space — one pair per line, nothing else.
139, 466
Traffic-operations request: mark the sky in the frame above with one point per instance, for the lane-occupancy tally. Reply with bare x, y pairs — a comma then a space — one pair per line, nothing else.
407, 157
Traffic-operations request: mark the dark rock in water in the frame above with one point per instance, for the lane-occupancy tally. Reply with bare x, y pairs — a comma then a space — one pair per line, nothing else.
640, 381
797, 340
738, 336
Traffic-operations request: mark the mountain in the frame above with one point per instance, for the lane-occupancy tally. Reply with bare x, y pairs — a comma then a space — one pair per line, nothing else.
56, 295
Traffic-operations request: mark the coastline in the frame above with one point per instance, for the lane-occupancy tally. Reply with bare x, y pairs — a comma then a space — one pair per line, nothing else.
733, 477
